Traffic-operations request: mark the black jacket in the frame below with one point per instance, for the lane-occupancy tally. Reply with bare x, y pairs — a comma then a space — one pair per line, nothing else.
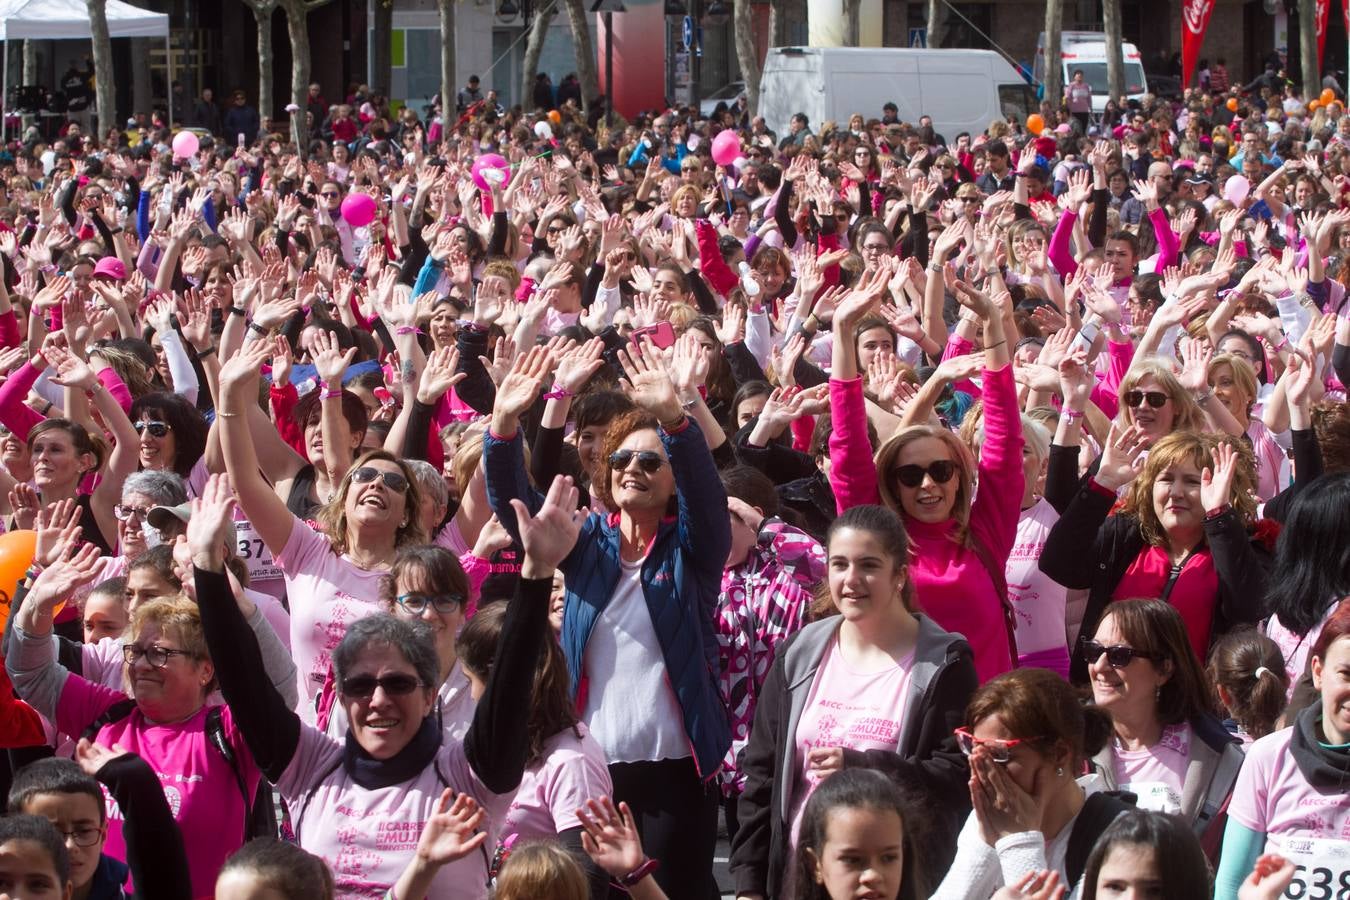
1087, 548
942, 679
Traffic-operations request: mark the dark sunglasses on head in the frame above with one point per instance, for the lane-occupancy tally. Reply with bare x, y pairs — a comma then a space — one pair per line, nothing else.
392, 480
442, 603
940, 470
1117, 657
649, 461
363, 686
1155, 399
156, 429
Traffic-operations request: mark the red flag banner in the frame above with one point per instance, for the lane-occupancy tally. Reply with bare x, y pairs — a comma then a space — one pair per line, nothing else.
1194, 20
1323, 8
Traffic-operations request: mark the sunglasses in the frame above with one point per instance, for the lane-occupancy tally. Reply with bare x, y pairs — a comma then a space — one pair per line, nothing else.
555, 229
392, 480
1117, 657
362, 687
156, 429
999, 751
649, 461
328, 194
157, 657
1155, 399
418, 603
940, 470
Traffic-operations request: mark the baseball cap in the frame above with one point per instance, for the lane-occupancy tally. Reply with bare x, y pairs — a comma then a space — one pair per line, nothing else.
162, 517
110, 267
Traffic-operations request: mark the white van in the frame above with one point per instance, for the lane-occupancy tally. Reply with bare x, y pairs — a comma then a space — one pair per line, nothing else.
963, 90
1086, 50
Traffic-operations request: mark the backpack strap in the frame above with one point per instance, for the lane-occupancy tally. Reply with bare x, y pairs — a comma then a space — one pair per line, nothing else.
1099, 810
115, 713
1220, 786
1000, 579
215, 734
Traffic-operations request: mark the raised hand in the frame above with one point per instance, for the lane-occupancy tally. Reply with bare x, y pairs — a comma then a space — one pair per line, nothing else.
76, 566
57, 525
1075, 380
329, 358
71, 370
519, 389
579, 365
452, 832
610, 836
1216, 483
550, 534
1122, 456
647, 382
1195, 358
439, 375
210, 527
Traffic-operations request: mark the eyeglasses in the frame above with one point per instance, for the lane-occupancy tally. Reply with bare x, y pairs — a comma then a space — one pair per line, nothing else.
649, 461
329, 194
127, 513
82, 837
1155, 399
876, 248
392, 480
158, 657
418, 603
940, 470
555, 229
156, 429
362, 687
999, 751
1117, 657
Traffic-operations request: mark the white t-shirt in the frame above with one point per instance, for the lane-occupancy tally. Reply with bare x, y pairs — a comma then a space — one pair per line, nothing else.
630, 706
1038, 601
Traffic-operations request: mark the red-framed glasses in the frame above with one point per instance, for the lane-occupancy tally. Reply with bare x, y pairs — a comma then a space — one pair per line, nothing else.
1000, 751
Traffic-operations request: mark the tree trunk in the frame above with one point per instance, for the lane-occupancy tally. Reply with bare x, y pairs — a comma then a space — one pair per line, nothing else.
534, 45
1307, 45
297, 29
1115, 54
142, 94
585, 53
937, 22
262, 17
777, 24
30, 68
1054, 66
103, 67
743, 31
448, 89
852, 27
381, 50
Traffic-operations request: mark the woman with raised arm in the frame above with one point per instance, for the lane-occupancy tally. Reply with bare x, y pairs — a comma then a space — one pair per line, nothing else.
360, 804
642, 588
332, 576
927, 474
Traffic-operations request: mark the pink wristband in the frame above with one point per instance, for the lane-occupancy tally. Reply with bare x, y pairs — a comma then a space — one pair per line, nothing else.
557, 392
407, 329
327, 394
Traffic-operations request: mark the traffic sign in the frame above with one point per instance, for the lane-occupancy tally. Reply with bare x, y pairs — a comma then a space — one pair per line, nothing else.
687, 32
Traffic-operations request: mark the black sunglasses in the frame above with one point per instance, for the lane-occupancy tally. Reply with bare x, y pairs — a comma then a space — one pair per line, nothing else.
649, 461
156, 429
1155, 399
1117, 657
392, 480
363, 686
911, 476
442, 603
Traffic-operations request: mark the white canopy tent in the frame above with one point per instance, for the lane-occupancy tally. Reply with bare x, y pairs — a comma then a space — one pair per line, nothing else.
68, 20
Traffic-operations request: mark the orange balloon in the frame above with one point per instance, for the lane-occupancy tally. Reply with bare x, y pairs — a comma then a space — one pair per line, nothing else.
1232, 104
555, 117
1035, 124
16, 555
1314, 105
1328, 95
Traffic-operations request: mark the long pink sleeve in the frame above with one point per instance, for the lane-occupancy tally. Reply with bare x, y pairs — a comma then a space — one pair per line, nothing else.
802, 429
9, 330
998, 502
14, 413
853, 472
959, 346
1059, 252
711, 264
1106, 393
113, 382
1168, 245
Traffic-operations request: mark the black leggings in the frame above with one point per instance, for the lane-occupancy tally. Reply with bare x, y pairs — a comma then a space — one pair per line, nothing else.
676, 815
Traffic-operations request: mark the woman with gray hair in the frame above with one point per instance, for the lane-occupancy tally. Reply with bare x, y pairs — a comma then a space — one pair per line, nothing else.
361, 804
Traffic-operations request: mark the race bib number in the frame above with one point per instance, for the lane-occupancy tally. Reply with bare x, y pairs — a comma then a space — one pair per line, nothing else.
1156, 796
254, 553
1321, 868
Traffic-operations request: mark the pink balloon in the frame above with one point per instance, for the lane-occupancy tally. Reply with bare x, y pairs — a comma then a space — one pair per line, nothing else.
358, 209
185, 144
726, 147
489, 161
1236, 189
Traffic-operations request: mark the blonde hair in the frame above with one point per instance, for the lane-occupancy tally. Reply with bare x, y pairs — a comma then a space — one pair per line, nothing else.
541, 870
681, 192
178, 618
961, 454
1187, 413
1242, 375
1196, 448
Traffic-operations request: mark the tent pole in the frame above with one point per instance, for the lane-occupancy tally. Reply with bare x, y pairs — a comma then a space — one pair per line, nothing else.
168, 59
4, 100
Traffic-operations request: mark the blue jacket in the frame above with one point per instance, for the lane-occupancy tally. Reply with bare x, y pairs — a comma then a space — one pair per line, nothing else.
681, 578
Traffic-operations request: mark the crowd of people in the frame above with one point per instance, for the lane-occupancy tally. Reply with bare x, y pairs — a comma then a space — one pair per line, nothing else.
504, 505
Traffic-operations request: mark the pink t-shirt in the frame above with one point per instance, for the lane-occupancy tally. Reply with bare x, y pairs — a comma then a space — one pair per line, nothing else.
850, 709
1272, 796
198, 782
1038, 601
572, 771
1270, 456
327, 593
1156, 775
1293, 648
367, 837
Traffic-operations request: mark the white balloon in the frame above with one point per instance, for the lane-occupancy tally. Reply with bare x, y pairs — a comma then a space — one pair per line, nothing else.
543, 130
